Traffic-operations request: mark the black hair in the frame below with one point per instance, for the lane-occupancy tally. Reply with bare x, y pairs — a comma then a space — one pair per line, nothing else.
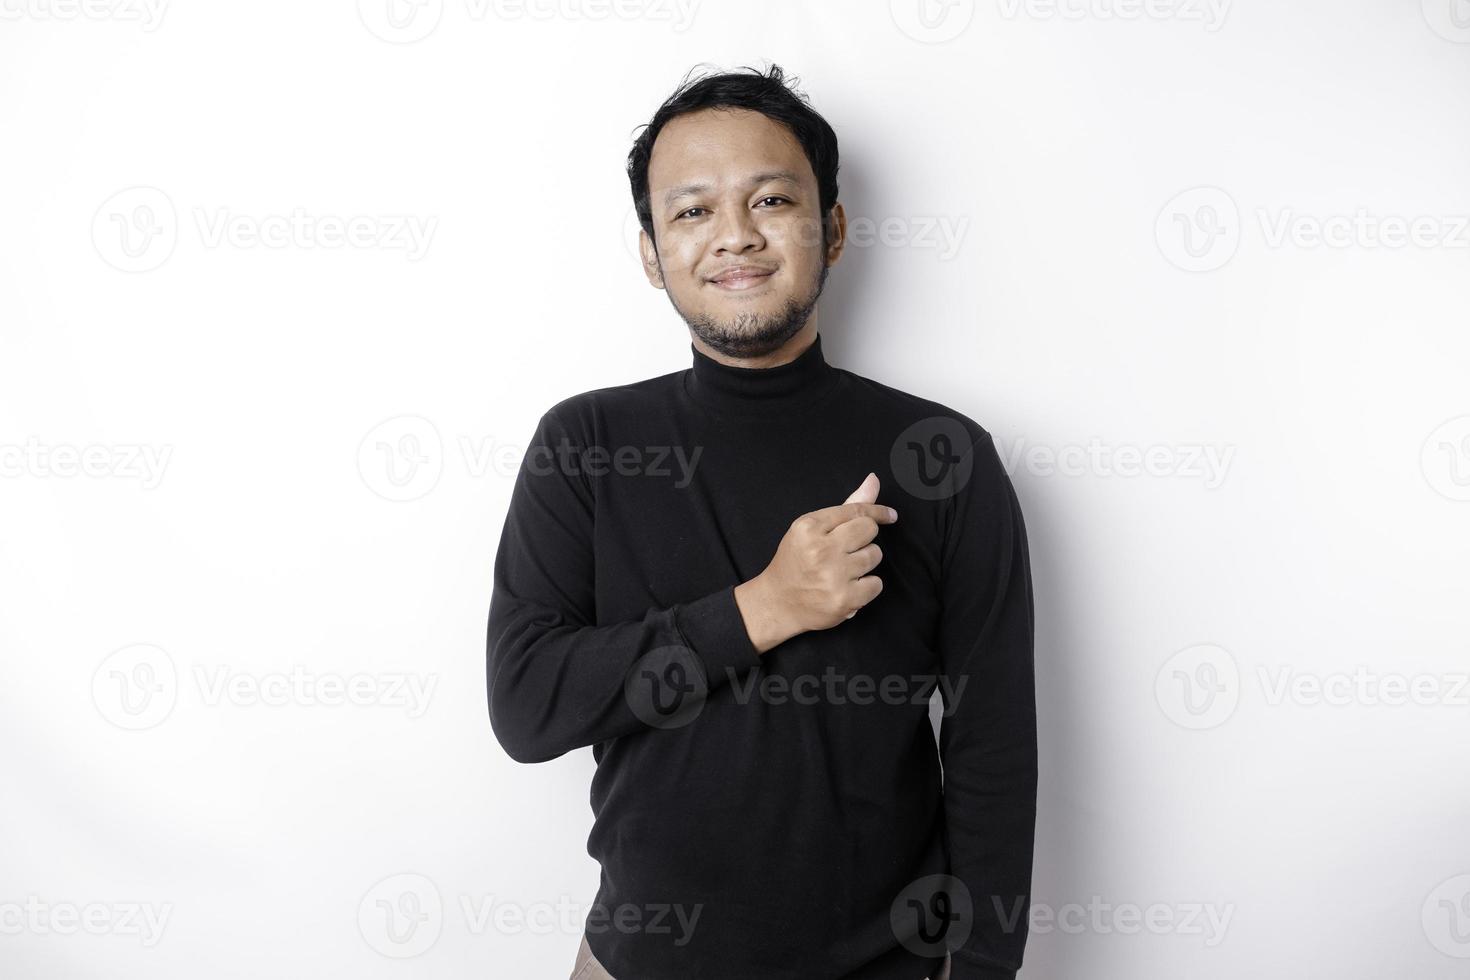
766, 92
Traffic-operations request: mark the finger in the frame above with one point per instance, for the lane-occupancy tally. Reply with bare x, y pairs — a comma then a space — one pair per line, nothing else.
852, 535
867, 491
864, 560
866, 589
829, 517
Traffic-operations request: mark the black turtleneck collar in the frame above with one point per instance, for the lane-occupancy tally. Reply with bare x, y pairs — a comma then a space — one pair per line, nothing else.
778, 390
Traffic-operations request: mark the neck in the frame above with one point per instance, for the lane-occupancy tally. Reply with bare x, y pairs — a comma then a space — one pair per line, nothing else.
791, 380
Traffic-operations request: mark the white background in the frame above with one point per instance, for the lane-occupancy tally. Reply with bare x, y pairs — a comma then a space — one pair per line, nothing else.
334, 428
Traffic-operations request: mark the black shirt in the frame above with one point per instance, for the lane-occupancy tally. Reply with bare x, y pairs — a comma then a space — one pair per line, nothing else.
777, 816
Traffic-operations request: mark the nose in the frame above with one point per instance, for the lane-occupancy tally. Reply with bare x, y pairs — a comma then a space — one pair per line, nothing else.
736, 230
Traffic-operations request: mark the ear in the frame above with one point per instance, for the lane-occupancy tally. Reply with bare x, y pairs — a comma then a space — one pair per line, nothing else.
836, 232
651, 267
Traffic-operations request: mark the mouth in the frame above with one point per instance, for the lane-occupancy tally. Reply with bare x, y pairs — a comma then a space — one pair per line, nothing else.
741, 279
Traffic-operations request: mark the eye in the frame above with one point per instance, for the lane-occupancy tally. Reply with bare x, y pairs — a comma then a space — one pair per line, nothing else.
689, 211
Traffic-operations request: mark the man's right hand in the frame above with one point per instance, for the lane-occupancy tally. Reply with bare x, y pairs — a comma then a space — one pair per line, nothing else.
819, 575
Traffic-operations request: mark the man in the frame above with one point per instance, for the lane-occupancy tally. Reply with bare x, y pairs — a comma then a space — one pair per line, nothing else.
689, 581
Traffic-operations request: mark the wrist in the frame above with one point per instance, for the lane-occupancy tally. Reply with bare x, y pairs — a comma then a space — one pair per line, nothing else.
762, 615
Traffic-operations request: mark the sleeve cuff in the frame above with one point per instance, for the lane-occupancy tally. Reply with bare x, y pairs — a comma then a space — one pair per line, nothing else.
713, 628
962, 969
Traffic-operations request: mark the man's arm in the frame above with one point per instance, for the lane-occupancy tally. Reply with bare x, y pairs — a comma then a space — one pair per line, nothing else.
555, 680
987, 739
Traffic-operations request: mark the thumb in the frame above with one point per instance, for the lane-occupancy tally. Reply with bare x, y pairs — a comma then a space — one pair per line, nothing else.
866, 493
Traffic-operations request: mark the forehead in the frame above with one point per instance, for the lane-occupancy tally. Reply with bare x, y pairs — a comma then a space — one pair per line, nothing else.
723, 147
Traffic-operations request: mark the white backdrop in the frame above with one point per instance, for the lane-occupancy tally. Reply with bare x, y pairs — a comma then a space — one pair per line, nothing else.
287, 286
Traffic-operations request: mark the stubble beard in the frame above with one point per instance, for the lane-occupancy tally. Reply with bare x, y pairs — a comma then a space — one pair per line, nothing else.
750, 335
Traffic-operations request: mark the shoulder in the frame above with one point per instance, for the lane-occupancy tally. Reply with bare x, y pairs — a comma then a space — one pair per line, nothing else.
588, 413
911, 416
936, 454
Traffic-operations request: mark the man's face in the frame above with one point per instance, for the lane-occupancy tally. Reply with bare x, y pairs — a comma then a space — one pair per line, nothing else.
732, 189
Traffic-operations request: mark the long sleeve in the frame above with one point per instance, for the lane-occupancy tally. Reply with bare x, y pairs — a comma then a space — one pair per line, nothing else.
987, 738
555, 677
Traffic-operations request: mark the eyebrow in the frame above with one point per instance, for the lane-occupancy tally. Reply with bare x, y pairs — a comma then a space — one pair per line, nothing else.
685, 190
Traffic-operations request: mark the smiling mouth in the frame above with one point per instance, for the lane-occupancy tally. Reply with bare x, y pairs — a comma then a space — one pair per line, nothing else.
742, 280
